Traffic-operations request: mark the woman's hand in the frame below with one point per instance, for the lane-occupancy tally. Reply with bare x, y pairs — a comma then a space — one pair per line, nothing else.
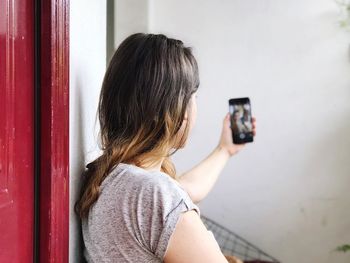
226, 142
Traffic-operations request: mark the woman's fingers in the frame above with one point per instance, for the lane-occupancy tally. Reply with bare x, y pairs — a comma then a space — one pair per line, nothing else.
227, 121
254, 125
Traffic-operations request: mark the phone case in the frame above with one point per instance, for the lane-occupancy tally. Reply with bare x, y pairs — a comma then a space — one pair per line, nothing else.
241, 120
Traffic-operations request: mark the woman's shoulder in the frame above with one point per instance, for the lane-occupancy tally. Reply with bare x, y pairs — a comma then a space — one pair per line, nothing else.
140, 177
150, 186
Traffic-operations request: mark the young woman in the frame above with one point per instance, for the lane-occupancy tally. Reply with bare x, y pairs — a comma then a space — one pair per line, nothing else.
133, 205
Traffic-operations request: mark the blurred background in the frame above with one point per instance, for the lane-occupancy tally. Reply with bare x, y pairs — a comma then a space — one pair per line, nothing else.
289, 191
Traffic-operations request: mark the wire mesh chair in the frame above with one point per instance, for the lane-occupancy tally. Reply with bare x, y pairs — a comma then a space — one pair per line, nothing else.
232, 244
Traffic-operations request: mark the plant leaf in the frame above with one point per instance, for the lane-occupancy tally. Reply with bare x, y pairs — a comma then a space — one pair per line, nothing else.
343, 248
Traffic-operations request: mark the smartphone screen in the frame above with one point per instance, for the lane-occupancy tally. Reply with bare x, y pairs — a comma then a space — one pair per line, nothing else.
241, 120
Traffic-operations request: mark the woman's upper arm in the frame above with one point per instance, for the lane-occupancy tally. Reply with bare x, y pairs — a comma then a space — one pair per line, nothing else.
191, 242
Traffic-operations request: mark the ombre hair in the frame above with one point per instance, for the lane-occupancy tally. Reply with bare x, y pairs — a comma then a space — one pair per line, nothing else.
145, 94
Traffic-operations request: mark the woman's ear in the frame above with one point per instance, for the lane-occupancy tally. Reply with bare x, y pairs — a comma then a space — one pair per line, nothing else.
186, 116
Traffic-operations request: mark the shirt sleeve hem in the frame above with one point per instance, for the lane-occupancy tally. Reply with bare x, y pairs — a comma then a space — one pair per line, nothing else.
169, 227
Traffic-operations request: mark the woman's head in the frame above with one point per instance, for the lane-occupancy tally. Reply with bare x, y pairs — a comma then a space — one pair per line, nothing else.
146, 107
146, 92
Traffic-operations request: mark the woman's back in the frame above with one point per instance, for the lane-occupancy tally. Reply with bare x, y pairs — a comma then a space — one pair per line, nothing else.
146, 110
134, 216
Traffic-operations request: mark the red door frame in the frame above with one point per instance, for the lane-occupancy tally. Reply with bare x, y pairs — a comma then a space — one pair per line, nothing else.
16, 130
25, 81
54, 149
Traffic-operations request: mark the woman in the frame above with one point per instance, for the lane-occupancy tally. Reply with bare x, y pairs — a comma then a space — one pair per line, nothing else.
133, 205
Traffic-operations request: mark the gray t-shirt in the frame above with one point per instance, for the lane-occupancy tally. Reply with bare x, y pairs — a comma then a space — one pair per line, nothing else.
134, 216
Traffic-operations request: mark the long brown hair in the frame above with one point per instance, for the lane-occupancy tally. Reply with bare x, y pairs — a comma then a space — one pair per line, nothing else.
145, 93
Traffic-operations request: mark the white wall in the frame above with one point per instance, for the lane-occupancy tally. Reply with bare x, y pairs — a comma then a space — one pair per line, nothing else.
288, 192
131, 16
87, 67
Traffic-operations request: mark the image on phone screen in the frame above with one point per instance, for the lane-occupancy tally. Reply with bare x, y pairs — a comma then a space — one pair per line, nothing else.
241, 120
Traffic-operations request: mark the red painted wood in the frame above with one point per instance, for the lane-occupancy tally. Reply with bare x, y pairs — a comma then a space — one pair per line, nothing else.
16, 130
54, 182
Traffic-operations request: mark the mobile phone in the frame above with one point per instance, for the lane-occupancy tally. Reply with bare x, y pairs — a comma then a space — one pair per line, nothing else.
241, 120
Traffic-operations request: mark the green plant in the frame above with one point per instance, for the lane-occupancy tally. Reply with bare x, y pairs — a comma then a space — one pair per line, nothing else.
344, 6
343, 248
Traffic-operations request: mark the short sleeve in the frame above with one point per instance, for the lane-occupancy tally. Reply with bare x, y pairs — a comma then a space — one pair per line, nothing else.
166, 201
169, 227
